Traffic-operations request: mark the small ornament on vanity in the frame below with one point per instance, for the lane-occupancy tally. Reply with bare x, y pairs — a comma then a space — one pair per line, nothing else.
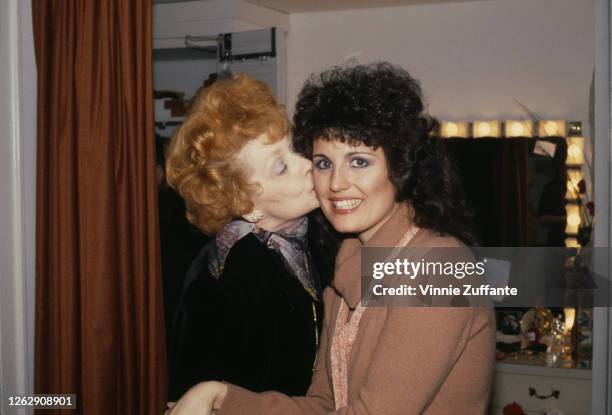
513, 409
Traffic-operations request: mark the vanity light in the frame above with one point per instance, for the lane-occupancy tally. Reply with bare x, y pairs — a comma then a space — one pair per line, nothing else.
574, 176
515, 128
572, 211
486, 129
575, 151
570, 318
572, 243
454, 129
548, 128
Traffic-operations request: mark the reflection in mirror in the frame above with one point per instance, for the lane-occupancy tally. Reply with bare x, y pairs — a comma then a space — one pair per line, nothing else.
525, 191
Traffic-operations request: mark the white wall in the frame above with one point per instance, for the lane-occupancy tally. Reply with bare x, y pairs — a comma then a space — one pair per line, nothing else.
473, 58
172, 21
17, 203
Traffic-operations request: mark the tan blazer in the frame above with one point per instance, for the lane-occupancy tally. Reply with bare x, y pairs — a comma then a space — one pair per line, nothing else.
405, 360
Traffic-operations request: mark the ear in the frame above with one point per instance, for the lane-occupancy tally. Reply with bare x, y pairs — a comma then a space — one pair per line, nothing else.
254, 216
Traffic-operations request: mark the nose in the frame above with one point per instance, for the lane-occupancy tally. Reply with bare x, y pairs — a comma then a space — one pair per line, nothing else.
338, 180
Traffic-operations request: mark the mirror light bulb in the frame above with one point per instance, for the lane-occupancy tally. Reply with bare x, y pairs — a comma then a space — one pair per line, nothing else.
517, 129
484, 129
452, 129
573, 219
551, 128
574, 151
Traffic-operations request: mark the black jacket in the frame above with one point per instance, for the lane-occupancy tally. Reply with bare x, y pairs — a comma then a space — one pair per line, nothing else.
253, 327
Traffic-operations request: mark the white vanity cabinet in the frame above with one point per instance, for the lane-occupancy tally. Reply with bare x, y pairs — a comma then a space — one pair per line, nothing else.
523, 384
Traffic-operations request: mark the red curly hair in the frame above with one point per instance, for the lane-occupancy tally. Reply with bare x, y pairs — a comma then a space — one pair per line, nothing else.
201, 157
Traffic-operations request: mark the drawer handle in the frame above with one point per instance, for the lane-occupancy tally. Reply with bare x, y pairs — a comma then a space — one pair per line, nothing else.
554, 394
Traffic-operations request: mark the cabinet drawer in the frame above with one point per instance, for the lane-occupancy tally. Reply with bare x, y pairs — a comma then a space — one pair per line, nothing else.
574, 393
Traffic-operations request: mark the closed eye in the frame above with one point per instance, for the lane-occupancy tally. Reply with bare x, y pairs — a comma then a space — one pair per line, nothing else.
280, 167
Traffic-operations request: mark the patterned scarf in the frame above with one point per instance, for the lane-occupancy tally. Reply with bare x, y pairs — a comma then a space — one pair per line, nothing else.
290, 242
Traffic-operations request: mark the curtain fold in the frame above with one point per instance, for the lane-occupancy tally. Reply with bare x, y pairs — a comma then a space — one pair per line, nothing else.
494, 173
511, 175
99, 308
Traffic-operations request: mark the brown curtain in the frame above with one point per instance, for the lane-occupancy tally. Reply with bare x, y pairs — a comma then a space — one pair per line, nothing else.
511, 175
99, 307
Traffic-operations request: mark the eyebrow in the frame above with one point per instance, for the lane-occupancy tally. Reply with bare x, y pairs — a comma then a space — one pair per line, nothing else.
352, 153
349, 154
274, 157
277, 152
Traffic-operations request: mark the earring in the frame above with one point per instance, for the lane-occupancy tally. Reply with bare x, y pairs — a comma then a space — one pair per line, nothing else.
255, 216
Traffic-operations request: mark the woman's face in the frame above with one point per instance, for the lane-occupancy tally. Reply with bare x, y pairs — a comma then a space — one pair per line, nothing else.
353, 186
284, 178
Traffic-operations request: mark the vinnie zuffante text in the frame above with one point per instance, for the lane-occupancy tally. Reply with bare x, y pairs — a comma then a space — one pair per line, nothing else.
403, 268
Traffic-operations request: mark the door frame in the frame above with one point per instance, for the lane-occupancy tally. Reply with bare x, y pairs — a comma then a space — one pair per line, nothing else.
602, 322
17, 201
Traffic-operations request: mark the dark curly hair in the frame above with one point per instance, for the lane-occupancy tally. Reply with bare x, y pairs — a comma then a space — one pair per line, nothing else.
381, 105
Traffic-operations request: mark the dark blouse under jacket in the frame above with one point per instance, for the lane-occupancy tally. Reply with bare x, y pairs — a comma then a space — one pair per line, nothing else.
256, 326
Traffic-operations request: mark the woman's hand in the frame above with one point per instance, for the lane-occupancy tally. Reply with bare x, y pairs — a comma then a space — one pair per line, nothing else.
202, 399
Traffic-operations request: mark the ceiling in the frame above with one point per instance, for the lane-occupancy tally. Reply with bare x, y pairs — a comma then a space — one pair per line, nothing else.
298, 6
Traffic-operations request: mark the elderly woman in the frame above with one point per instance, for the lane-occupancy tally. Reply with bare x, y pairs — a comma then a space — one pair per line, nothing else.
382, 179
250, 310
